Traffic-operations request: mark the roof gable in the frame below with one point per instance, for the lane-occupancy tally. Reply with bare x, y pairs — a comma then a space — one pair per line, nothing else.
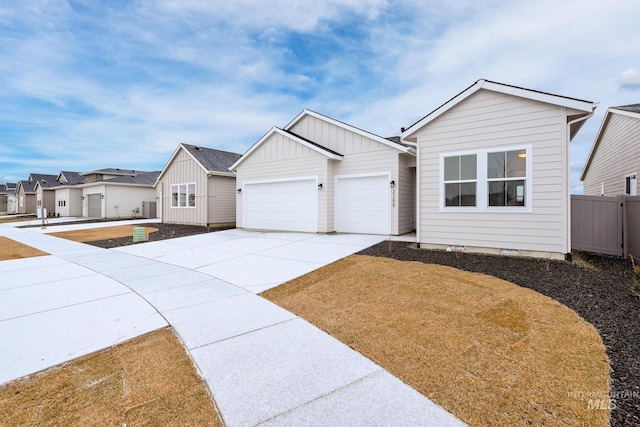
573, 103
398, 145
292, 136
627, 110
210, 160
70, 178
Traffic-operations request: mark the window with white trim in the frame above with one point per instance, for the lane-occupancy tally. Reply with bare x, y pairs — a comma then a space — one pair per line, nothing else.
486, 180
506, 177
183, 195
460, 178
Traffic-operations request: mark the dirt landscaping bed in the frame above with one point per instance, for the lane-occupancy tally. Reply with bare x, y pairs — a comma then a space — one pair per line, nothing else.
149, 380
598, 288
488, 351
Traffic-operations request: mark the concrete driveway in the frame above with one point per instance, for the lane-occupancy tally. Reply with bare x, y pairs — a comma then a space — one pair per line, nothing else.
252, 260
263, 364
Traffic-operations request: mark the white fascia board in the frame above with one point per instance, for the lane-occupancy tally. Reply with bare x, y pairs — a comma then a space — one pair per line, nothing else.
624, 113
218, 173
575, 104
287, 135
175, 153
351, 129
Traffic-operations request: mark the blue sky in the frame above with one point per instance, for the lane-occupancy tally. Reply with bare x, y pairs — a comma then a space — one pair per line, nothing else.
94, 84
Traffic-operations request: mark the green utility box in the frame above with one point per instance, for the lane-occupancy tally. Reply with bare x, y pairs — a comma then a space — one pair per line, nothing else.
139, 235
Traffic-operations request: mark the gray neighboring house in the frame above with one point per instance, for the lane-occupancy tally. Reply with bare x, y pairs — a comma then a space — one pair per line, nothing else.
196, 187
45, 191
120, 195
614, 161
7, 197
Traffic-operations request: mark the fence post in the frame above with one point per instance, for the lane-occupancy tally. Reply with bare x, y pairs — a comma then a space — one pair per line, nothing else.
622, 231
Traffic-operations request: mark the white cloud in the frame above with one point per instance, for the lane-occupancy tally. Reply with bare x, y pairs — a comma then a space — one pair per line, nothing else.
629, 80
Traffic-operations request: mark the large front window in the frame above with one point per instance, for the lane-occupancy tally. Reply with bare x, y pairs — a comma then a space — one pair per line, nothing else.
486, 180
183, 195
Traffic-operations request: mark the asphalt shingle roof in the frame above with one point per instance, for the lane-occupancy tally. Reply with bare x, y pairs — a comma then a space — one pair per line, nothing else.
212, 159
632, 108
144, 178
46, 181
73, 178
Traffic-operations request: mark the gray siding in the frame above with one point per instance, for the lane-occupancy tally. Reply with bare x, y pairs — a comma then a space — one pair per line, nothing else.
617, 156
488, 119
222, 199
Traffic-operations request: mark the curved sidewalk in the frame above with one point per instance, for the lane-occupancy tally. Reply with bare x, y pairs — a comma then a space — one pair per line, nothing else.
263, 364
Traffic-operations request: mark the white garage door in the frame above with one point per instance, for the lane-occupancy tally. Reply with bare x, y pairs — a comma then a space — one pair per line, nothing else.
282, 205
362, 204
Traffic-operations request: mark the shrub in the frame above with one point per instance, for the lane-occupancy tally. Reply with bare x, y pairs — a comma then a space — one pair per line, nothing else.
635, 277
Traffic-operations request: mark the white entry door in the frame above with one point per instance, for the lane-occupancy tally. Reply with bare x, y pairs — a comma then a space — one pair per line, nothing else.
290, 205
362, 204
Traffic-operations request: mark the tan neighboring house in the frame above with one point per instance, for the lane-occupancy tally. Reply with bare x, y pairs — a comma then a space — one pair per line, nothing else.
45, 192
25, 197
493, 171
318, 174
122, 196
196, 187
614, 161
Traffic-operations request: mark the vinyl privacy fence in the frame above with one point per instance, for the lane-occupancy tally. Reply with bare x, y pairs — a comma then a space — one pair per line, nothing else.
606, 225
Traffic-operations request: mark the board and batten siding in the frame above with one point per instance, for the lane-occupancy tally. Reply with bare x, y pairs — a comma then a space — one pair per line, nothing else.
406, 194
280, 157
617, 156
222, 199
183, 170
489, 119
361, 155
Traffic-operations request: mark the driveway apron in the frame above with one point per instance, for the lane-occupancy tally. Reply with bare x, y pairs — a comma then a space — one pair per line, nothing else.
263, 364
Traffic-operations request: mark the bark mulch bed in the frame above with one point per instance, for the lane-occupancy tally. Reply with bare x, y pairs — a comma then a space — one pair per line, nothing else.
596, 287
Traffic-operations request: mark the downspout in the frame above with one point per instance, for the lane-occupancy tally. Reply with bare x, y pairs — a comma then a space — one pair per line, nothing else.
568, 178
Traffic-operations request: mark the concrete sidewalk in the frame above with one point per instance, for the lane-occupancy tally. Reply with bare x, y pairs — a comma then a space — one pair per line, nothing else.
263, 364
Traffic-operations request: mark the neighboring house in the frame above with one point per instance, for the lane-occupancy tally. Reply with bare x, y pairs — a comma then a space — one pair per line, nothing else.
321, 175
26, 197
7, 198
107, 173
68, 195
196, 187
45, 191
122, 196
493, 171
614, 161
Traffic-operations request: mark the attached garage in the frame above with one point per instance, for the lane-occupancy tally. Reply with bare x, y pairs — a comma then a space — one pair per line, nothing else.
281, 205
362, 204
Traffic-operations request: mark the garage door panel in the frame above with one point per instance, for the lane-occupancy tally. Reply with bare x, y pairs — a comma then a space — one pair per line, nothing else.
362, 205
282, 205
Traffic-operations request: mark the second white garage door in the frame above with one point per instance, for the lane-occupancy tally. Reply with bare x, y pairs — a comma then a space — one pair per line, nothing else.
281, 205
362, 204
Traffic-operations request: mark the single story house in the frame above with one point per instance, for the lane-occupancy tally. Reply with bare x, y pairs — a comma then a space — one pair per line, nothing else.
7, 198
68, 195
614, 161
122, 196
196, 187
318, 174
493, 170
25, 197
45, 192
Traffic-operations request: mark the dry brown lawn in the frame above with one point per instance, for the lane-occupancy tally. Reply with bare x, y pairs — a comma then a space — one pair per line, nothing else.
488, 351
10, 249
149, 380
101, 233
